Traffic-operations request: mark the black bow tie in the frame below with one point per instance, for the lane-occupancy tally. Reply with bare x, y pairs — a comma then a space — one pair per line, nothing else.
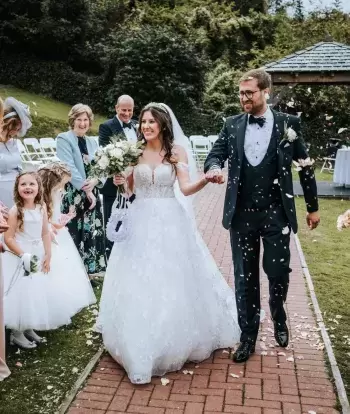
127, 125
254, 120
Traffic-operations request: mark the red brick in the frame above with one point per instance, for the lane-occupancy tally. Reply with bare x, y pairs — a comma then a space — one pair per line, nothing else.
181, 387
271, 411
214, 403
234, 397
145, 410
99, 390
262, 403
318, 402
92, 396
173, 411
194, 408
200, 381
252, 391
99, 405
140, 398
290, 408
242, 410
226, 386
160, 392
207, 391
218, 376
319, 410
75, 410
175, 405
185, 398
282, 398
119, 403
271, 386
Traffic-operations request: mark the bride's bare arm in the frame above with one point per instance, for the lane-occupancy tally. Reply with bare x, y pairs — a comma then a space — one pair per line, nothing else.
187, 188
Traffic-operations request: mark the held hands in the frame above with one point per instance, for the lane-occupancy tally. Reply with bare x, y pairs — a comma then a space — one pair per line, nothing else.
313, 220
89, 185
215, 176
119, 179
4, 211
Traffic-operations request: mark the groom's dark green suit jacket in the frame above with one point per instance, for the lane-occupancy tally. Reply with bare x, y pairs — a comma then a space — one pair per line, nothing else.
230, 146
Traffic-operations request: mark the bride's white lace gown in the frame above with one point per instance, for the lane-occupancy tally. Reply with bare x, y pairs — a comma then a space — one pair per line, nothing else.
164, 301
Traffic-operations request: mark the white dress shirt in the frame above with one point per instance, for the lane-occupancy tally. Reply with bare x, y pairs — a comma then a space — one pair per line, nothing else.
257, 139
130, 133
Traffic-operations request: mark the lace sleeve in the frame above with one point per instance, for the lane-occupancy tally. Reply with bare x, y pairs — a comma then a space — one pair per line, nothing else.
183, 166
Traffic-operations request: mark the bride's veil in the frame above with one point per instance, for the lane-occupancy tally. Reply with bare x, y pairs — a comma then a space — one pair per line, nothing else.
181, 140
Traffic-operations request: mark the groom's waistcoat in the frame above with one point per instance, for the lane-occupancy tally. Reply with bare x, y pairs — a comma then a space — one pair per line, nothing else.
258, 186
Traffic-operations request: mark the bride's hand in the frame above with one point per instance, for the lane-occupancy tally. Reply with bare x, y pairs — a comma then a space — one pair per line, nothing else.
119, 179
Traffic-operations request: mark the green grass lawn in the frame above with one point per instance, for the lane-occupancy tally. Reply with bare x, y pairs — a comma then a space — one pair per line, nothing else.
42, 377
43, 106
320, 176
327, 253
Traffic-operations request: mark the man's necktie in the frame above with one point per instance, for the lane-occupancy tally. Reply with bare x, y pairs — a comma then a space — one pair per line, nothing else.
255, 120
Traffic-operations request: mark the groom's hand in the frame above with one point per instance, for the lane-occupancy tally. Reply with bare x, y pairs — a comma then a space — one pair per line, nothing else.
215, 176
313, 220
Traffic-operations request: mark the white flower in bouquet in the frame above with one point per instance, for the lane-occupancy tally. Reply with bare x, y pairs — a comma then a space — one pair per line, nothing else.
103, 162
117, 153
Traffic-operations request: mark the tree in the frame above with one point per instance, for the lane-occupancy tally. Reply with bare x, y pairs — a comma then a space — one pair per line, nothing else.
299, 10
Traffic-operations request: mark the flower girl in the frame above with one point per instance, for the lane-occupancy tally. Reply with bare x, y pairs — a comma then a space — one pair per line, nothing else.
30, 301
72, 276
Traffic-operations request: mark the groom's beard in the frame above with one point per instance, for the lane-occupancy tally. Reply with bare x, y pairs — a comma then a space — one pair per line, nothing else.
252, 108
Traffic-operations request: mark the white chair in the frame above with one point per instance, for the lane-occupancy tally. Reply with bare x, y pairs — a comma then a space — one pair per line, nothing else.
212, 139
33, 148
48, 149
328, 164
195, 137
201, 147
27, 163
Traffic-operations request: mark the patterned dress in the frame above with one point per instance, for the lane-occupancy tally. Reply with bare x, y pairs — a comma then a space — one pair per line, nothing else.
86, 228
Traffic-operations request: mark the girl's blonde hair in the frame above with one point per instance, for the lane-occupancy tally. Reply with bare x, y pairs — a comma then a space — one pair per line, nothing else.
51, 176
19, 200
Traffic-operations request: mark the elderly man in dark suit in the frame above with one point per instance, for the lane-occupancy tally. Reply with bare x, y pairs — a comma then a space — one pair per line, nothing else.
260, 145
120, 124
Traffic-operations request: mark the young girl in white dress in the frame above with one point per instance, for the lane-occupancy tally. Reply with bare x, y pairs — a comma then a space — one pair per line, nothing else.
72, 277
164, 300
30, 302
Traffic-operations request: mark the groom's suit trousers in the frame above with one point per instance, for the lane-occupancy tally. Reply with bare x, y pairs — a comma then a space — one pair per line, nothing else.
247, 231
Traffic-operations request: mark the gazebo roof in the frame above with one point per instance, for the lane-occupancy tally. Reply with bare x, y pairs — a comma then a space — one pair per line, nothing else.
324, 62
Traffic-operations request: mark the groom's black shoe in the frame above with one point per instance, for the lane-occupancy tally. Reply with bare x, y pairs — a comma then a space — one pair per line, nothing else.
281, 335
243, 352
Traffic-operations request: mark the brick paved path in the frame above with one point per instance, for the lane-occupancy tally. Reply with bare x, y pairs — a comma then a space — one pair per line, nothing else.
266, 384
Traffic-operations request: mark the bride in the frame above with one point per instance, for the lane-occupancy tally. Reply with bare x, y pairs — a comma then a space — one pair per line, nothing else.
164, 301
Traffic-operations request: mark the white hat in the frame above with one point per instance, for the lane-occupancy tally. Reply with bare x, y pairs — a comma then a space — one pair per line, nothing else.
22, 111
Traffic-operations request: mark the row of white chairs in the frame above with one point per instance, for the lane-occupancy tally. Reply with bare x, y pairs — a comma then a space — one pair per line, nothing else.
201, 146
36, 151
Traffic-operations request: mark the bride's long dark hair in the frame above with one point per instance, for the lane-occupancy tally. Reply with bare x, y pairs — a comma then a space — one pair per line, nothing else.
163, 119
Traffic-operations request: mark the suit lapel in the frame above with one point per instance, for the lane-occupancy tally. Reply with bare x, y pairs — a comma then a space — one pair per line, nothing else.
277, 134
117, 128
240, 130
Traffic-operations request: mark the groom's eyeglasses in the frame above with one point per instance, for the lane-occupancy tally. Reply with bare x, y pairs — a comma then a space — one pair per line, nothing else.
247, 94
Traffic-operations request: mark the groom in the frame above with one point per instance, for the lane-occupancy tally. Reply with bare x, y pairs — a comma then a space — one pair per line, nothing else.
120, 124
260, 145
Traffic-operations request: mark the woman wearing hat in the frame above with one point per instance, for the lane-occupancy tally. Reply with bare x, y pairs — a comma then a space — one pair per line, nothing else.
4, 371
16, 123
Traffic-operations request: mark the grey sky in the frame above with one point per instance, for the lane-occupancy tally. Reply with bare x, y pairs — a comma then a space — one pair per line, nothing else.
317, 4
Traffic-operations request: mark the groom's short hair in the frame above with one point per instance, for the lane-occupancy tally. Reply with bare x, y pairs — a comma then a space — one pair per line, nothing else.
263, 78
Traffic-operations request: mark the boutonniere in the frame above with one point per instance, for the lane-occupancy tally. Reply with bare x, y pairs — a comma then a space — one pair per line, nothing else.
86, 159
289, 134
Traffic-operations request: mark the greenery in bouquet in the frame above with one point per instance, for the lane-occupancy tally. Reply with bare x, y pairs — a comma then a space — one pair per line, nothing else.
33, 265
116, 157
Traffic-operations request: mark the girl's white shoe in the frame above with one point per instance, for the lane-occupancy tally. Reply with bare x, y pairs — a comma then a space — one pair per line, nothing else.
18, 338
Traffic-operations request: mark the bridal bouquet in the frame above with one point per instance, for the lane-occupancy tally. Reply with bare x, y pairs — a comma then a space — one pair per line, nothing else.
30, 263
116, 157
343, 221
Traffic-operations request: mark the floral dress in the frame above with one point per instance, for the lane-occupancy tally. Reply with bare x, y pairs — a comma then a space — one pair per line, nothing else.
86, 228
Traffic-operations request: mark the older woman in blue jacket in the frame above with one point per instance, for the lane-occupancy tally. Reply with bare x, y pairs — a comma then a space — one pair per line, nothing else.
77, 150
